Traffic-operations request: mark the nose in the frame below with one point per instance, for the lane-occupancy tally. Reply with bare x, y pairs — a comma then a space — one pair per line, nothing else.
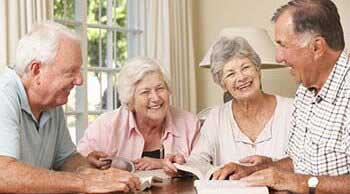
154, 95
79, 80
279, 55
240, 76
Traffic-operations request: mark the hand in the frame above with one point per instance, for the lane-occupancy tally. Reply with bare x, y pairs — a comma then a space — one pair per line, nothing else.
233, 171
168, 165
99, 160
147, 163
110, 180
277, 179
255, 160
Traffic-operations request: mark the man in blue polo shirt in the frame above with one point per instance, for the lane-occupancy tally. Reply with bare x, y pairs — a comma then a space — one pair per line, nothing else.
36, 152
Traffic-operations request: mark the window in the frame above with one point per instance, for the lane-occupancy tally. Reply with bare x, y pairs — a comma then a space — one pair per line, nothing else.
107, 41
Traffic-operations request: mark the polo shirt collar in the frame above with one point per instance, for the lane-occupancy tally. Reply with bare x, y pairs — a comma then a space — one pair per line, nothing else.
23, 98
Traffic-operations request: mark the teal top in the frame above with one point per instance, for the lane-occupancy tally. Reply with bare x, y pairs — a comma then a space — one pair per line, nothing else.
45, 143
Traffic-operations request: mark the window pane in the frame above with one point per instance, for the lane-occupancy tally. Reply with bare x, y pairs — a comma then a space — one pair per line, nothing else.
97, 54
98, 91
97, 48
64, 9
120, 13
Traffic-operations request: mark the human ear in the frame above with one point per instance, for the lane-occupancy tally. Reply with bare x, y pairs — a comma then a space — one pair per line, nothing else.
319, 47
34, 70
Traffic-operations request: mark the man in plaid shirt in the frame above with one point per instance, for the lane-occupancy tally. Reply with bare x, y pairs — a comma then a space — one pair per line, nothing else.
310, 41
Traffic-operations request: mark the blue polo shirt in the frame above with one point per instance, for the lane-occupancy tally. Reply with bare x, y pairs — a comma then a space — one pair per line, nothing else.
45, 143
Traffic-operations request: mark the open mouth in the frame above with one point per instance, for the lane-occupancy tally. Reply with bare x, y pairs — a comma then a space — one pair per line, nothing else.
155, 107
244, 86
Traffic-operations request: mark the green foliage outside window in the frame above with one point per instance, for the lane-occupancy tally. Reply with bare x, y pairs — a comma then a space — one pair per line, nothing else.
64, 9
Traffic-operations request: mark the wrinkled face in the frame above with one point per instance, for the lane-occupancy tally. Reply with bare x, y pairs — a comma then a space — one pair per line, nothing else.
58, 79
291, 52
241, 78
151, 98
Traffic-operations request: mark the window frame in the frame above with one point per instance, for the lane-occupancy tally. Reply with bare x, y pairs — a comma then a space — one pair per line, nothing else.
81, 26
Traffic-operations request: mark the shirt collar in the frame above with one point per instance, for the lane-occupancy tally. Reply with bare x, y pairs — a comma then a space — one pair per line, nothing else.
23, 100
239, 136
330, 89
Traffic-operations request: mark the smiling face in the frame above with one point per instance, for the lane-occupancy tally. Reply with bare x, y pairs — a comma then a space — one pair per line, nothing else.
151, 98
57, 80
289, 51
241, 78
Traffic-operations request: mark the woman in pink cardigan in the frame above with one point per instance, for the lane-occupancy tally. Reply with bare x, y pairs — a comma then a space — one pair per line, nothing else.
145, 128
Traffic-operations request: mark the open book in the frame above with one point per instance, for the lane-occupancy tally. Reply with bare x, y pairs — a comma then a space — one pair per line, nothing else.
147, 178
202, 171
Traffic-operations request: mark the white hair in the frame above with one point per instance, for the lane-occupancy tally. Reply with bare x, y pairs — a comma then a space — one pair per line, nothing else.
133, 72
41, 44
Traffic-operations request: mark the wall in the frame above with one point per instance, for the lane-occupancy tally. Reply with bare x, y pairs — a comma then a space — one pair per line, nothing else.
210, 16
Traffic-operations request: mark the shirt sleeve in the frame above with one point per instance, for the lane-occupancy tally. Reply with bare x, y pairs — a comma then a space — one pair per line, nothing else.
64, 145
203, 150
91, 138
9, 121
346, 140
289, 150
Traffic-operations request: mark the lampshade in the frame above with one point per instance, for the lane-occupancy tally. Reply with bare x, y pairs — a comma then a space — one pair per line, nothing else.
258, 39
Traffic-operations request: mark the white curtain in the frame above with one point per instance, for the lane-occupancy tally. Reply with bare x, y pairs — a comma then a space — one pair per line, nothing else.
166, 27
16, 19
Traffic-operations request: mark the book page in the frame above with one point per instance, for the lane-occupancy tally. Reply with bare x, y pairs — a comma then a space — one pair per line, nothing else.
227, 186
148, 177
152, 173
201, 170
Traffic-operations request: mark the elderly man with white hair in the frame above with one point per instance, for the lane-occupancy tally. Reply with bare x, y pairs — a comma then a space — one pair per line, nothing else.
36, 152
145, 128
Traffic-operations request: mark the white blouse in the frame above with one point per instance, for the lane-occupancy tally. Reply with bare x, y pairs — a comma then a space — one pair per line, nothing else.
221, 141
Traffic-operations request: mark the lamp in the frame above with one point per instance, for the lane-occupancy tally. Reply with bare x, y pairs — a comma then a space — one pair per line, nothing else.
258, 39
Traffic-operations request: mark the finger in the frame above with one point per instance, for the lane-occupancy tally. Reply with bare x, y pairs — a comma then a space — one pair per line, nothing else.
179, 158
104, 167
248, 159
170, 158
142, 166
171, 167
101, 154
226, 172
235, 176
169, 171
132, 184
216, 175
137, 160
105, 164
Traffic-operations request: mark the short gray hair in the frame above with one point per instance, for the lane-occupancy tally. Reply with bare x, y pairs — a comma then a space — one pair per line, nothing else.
41, 44
227, 49
315, 17
133, 72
